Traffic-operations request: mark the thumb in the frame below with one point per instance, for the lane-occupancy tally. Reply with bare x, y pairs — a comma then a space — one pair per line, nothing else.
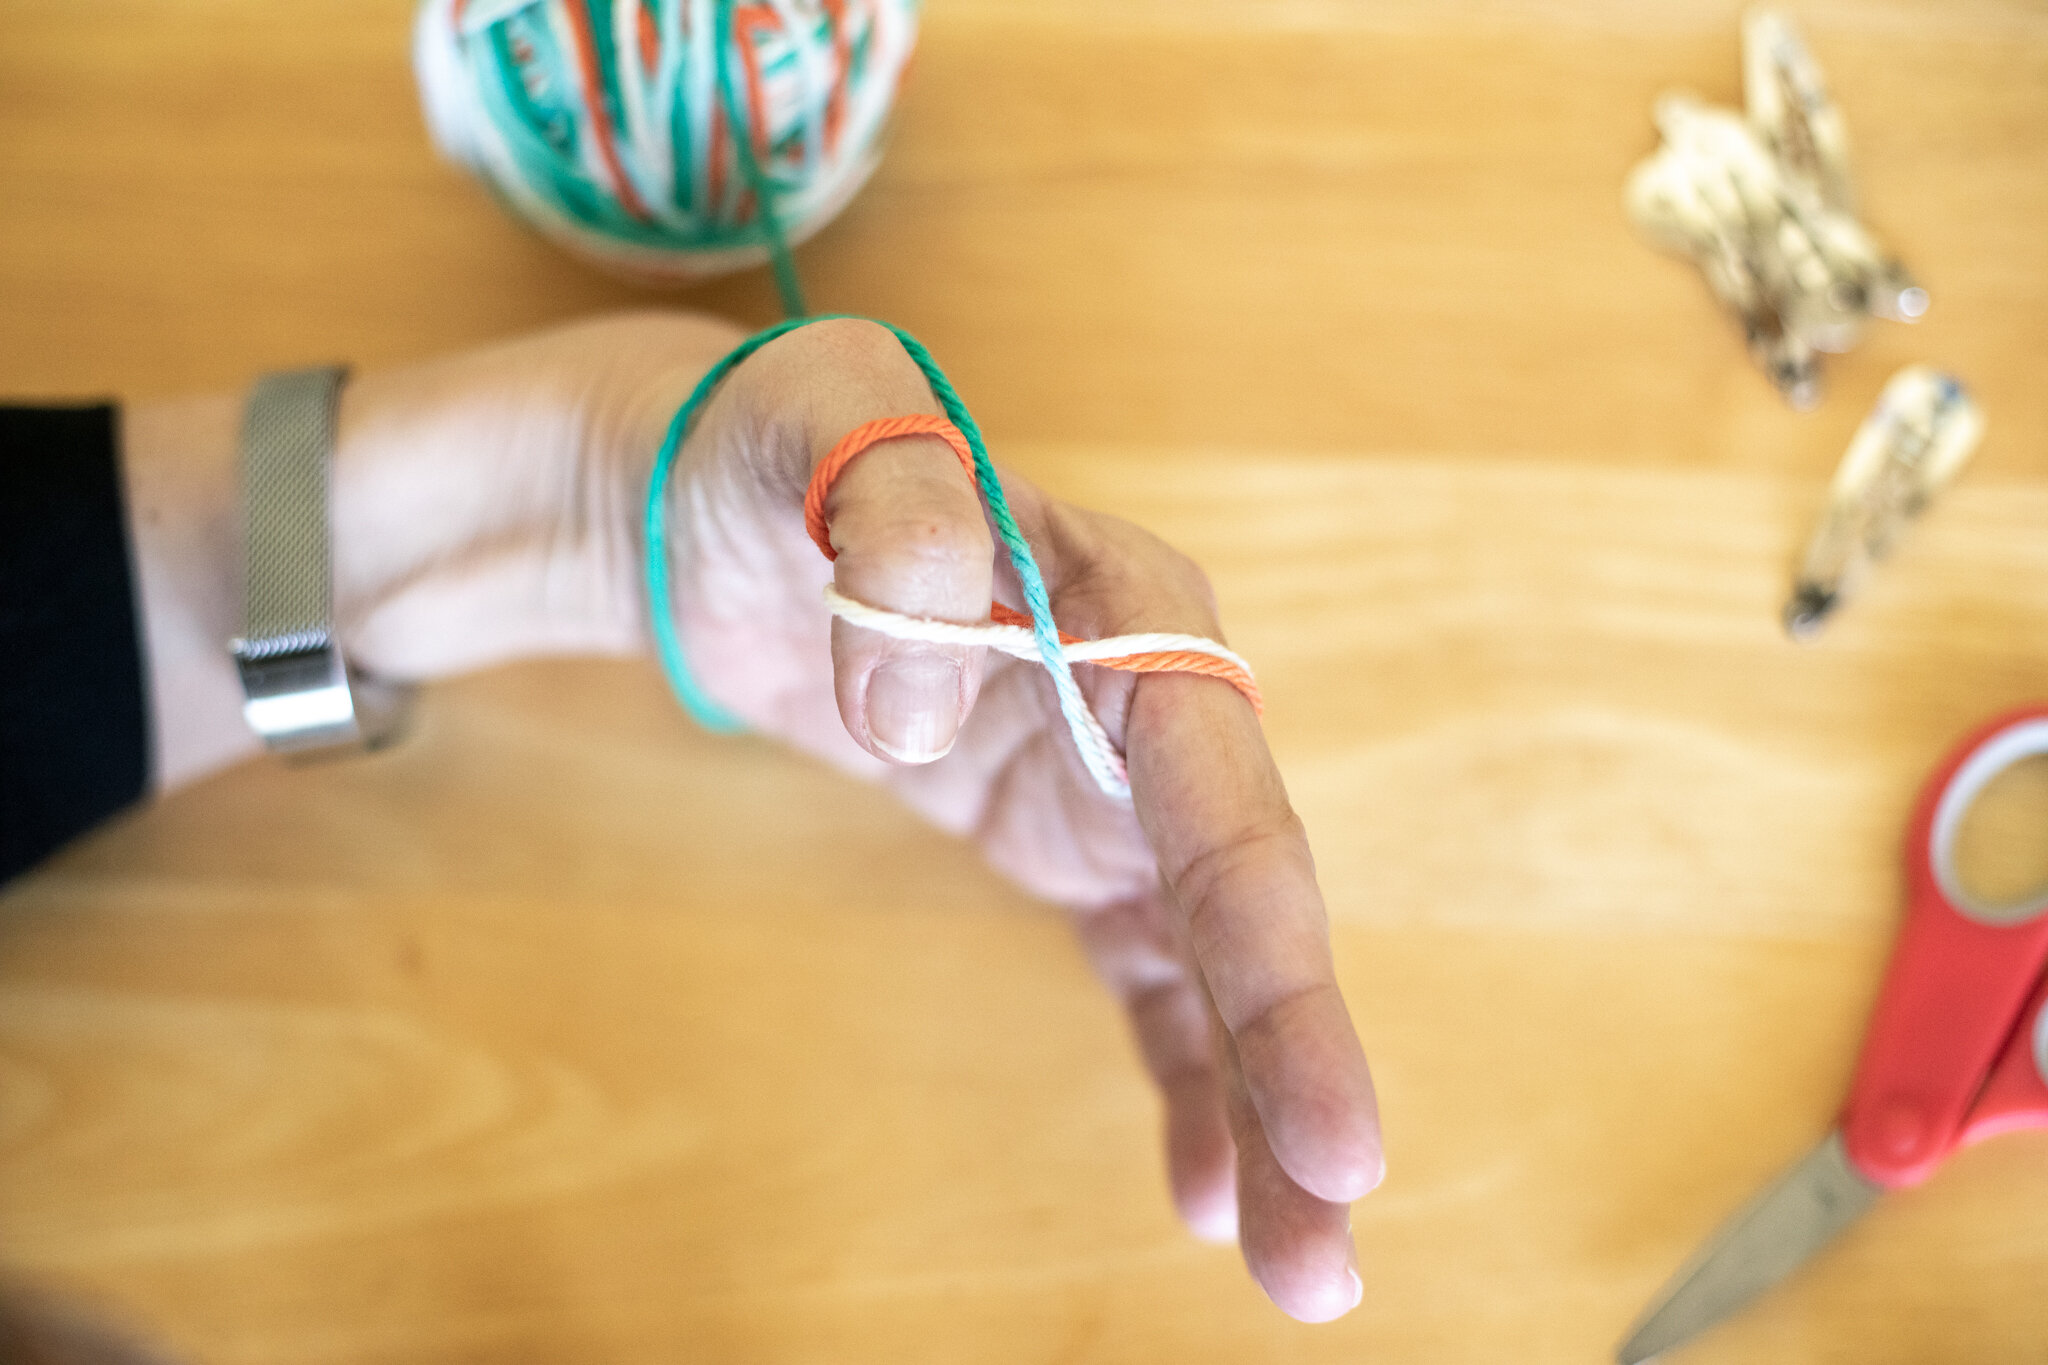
906, 524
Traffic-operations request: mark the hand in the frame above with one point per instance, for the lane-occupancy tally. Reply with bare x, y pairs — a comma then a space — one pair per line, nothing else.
488, 506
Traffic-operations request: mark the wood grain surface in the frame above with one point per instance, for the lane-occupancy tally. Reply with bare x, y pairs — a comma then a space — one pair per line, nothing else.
566, 1033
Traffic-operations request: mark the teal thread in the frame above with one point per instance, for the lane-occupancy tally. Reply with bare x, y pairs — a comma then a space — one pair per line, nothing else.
1036, 599
689, 692
668, 643
707, 712
787, 285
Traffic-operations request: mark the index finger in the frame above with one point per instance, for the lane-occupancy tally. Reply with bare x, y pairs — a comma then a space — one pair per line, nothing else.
1236, 857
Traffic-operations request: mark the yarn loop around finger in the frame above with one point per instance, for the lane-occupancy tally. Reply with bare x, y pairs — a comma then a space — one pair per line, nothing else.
856, 442
1008, 631
1053, 649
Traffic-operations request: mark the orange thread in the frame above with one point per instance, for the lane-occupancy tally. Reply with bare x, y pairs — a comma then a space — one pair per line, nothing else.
1164, 661
600, 119
924, 424
842, 62
650, 40
858, 440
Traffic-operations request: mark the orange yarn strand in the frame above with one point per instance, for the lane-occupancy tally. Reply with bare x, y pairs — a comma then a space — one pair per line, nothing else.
867, 434
1168, 661
857, 441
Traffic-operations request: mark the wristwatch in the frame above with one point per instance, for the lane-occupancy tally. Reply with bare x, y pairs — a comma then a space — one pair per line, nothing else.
299, 692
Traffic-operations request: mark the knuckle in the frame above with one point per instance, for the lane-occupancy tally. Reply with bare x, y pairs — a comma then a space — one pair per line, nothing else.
1206, 867
1204, 882
854, 346
1124, 562
931, 538
832, 352
924, 562
1182, 573
1266, 1017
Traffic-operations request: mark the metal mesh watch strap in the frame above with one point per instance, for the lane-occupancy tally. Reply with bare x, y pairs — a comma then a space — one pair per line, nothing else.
287, 445
298, 691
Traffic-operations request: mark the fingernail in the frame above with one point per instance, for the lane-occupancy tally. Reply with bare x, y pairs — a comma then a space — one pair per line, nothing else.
1357, 1289
914, 707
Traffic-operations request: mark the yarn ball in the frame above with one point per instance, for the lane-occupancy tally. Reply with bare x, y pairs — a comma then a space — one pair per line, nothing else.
638, 132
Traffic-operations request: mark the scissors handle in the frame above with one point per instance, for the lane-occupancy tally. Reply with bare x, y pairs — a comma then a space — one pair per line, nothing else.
2016, 1096
1959, 978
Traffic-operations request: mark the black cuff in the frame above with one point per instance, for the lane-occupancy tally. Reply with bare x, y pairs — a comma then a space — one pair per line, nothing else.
74, 742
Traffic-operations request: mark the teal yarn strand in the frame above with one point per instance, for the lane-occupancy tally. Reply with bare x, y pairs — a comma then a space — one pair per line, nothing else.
598, 123
660, 598
787, 286
1036, 600
660, 595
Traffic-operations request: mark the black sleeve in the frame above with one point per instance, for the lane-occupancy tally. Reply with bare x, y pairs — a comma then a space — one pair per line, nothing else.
74, 743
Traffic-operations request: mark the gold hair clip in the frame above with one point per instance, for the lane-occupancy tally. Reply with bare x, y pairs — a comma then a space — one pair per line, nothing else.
1762, 203
1922, 431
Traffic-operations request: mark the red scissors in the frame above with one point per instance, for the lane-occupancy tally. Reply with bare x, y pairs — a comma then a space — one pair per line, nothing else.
1957, 1052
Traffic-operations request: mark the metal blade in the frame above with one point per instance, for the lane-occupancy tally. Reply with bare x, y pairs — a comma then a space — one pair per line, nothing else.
1756, 1248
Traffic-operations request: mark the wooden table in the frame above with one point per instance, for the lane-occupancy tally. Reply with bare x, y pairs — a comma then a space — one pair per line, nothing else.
566, 1033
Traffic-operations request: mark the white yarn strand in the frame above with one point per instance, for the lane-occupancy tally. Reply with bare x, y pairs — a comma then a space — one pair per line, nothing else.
1090, 739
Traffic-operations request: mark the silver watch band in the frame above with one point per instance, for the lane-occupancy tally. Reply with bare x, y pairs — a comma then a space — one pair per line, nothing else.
298, 692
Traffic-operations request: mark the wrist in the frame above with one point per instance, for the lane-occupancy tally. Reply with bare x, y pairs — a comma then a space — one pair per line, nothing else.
484, 507
178, 470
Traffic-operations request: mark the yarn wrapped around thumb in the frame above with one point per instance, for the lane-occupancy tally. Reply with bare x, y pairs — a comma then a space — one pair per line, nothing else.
632, 131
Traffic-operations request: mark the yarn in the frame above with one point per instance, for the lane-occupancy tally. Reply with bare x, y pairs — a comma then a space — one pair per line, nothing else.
858, 440
1010, 632
666, 138
1007, 631
618, 130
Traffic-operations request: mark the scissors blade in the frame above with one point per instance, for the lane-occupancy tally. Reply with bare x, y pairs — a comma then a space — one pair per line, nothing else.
1756, 1248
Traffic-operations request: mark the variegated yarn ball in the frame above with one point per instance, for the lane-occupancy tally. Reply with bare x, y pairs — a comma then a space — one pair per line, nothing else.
642, 134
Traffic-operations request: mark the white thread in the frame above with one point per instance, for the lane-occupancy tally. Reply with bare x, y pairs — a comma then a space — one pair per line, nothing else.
1018, 642
810, 62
